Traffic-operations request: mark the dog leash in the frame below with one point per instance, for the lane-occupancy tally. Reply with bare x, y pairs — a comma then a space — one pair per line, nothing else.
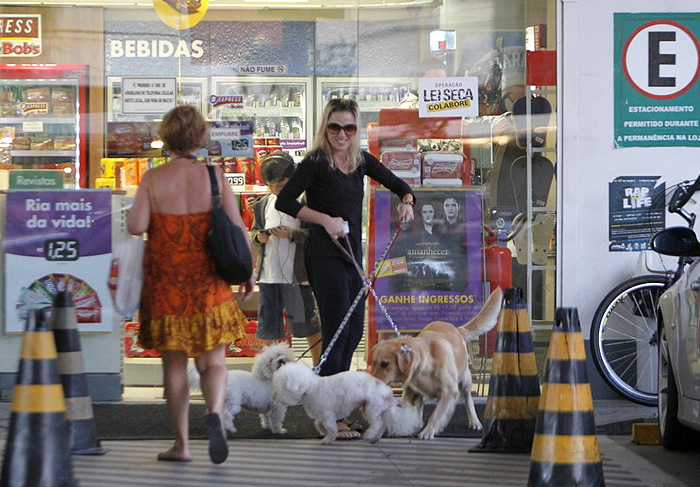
369, 283
366, 286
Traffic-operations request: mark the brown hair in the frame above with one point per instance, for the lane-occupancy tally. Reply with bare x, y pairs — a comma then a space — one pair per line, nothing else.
277, 166
183, 129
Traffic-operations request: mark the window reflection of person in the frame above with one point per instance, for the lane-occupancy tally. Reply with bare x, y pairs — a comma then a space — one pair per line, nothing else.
430, 67
428, 216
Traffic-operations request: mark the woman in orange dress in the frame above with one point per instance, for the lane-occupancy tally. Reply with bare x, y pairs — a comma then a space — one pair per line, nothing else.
187, 310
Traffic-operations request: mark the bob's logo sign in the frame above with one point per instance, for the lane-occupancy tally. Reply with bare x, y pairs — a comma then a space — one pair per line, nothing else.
20, 35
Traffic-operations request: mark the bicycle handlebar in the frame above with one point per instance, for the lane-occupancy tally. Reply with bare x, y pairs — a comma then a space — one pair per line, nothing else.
682, 195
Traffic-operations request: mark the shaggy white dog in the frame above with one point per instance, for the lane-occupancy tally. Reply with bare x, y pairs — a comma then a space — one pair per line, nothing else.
327, 399
253, 391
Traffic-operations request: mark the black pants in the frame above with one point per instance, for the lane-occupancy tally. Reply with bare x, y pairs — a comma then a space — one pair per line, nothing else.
335, 283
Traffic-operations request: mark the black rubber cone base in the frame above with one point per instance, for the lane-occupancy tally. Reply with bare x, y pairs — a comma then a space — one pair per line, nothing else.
37, 453
506, 436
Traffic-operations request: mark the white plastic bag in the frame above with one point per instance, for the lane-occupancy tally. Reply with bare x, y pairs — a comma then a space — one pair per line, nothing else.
126, 274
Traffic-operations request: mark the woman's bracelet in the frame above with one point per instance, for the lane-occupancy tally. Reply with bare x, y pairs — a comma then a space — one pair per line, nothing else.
410, 202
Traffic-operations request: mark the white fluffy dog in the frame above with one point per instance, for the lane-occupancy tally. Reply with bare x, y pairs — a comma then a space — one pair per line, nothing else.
253, 391
327, 399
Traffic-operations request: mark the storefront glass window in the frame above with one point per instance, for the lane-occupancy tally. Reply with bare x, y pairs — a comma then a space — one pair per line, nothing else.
458, 97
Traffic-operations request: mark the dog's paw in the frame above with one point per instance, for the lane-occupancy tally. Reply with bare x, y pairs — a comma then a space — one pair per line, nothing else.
426, 434
475, 425
372, 439
279, 431
327, 440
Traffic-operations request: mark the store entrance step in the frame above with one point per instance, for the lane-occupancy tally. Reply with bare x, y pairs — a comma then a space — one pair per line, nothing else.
126, 421
149, 420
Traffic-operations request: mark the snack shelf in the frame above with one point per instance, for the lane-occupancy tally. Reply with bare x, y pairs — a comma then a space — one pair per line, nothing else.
42, 153
56, 120
42, 119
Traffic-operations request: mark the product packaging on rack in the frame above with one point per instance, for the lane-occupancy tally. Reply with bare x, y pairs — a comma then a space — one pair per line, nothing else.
442, 169
405, 164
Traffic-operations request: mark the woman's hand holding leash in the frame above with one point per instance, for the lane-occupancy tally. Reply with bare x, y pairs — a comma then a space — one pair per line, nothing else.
334, 226
405, 210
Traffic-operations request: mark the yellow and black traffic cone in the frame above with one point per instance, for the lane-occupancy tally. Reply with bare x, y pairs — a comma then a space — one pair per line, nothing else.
36, 452
71, 368
565, 450
514, 387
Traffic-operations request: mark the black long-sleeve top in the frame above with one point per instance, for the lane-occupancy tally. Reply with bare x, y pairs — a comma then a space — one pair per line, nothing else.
330, 191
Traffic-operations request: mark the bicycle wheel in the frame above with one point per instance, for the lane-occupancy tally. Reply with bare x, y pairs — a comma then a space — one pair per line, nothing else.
624, 338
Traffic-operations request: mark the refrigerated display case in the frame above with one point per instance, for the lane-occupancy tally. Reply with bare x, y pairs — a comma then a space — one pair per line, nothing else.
43, 119
371, 94
279, 107
190, 91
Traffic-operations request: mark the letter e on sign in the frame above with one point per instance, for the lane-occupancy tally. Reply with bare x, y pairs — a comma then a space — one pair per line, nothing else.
661, 59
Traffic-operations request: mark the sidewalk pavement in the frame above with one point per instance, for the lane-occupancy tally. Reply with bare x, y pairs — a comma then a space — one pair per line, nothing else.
443, 462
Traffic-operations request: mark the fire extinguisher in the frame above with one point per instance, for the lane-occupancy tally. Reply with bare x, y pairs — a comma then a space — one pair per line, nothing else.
499, 273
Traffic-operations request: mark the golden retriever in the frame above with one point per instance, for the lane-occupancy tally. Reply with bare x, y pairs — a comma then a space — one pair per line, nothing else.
435, 364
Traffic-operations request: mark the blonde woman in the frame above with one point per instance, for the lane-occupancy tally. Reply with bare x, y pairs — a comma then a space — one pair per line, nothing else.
187, 309
332, 174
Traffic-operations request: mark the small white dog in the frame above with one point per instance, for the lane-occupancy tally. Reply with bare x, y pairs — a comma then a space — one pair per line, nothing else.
327, 399
253, 391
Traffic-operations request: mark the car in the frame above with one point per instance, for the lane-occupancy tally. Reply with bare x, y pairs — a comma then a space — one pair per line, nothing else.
679, 342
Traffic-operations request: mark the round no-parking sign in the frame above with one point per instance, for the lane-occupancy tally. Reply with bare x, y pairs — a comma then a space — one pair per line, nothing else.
657, 94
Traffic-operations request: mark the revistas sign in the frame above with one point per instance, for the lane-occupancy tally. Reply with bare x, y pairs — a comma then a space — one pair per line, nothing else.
20, 35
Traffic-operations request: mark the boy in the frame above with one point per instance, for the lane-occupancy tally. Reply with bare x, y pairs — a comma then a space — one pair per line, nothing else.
280, 269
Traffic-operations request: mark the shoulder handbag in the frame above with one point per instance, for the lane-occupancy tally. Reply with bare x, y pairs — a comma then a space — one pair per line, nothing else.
227, 242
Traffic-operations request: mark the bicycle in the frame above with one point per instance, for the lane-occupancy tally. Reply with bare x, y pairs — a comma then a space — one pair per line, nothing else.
624, 334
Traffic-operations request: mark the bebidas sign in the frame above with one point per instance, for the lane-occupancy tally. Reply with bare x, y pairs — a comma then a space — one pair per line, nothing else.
20, 35
141, 48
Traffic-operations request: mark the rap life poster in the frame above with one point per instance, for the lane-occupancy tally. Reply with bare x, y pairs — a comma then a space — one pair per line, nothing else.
56, 241
433, 271
636, 212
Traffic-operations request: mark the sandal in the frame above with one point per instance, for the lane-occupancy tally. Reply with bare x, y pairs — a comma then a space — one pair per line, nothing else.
345, 432
353, 425
218, 446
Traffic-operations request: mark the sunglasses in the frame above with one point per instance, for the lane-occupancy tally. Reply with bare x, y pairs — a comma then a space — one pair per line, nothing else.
335, 128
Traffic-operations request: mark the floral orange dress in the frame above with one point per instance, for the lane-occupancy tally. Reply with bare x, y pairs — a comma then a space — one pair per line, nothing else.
185, 305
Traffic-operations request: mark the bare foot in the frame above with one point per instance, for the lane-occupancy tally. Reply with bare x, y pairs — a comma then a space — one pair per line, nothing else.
174, 454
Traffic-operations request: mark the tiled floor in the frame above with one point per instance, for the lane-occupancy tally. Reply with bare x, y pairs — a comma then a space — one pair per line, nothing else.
444, 462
